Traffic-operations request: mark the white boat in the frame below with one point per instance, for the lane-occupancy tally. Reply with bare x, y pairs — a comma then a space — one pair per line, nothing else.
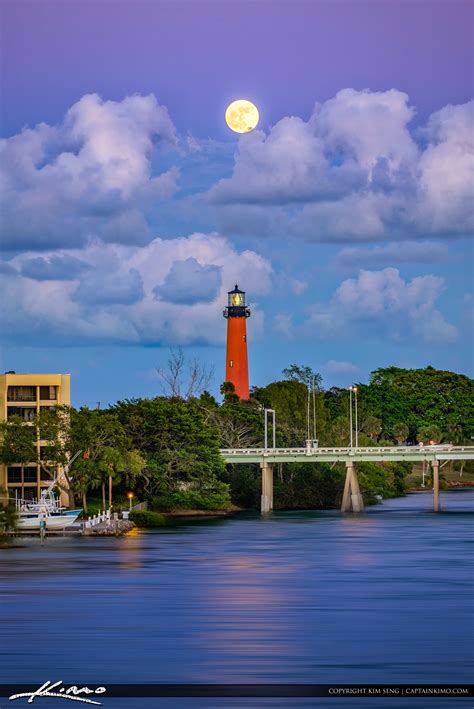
44, 513
32, 521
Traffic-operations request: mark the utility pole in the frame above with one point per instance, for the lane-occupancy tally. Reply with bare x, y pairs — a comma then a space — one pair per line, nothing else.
266, 412
350, 414
356, 422
314, 410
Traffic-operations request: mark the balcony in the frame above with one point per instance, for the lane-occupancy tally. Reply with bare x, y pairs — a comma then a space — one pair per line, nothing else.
27, 413
22, 393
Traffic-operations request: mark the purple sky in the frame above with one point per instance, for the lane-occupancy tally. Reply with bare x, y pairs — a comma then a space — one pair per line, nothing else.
197, 56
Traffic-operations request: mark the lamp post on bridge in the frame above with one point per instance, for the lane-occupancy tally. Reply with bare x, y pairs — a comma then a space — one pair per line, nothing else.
350, 416
353, 390
266, 412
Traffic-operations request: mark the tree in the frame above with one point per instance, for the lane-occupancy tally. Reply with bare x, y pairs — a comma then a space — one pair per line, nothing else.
111, 463
179, 445
227, 390
76, 436
340, 431
17, 442
134, 464
430, 434
372, 427
183, 379
303, 374
8, 516
401, 431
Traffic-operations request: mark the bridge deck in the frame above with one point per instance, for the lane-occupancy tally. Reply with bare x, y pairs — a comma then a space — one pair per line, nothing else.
344, 455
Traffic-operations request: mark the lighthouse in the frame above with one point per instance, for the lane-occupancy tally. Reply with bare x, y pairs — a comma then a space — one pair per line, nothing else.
237, 368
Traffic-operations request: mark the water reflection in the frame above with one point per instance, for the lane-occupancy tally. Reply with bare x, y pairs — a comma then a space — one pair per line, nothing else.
384, 597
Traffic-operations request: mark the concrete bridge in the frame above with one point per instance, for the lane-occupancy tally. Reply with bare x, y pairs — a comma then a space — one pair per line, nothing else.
436, 456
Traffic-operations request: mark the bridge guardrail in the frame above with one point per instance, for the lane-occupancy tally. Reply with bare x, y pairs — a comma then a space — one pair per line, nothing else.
441, 452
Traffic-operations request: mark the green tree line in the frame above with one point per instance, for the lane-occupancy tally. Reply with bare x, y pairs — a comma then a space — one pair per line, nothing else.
166, 449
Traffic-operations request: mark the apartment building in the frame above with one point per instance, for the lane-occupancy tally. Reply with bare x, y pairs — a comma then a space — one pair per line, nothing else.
25, 395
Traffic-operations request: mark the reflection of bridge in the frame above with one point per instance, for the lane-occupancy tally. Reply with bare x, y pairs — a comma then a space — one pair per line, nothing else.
436, 456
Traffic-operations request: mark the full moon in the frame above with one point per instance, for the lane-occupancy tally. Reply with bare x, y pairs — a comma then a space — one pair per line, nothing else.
241, 116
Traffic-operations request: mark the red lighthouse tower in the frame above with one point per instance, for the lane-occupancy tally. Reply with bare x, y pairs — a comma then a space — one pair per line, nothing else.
237, 368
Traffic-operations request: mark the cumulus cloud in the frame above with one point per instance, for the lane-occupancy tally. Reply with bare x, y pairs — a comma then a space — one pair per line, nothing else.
114, 300
354, 172
54, 268
382, 303
112, 288
188, 282
88, 177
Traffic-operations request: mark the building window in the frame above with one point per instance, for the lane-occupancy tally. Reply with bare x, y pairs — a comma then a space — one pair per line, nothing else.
26, 413
231, 363
46, 474
21, 394
48, 393
14, 475
30, 475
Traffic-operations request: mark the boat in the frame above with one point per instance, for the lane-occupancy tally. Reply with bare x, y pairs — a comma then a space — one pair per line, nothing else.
45, 513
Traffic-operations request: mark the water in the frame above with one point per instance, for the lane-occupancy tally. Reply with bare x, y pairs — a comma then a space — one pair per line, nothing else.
301, 597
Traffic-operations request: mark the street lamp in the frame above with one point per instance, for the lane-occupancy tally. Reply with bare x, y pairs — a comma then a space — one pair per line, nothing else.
266, 412
130, 498
354, 389
350, 415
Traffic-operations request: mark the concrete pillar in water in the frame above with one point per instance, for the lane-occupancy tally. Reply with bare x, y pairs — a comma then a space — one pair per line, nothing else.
351, 498
435, 468
267, 487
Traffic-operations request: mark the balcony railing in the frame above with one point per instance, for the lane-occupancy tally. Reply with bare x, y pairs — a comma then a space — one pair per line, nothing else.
21, 394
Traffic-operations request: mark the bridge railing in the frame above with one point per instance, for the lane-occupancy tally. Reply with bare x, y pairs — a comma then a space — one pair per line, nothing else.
347, 450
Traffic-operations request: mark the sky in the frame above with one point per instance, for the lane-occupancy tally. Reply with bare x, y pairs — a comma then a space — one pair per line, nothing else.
130, 209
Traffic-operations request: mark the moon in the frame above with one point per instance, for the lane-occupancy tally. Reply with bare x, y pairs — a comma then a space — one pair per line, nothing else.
242, 116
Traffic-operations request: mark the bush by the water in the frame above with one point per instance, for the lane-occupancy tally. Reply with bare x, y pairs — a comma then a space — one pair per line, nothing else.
217, 498
147, 519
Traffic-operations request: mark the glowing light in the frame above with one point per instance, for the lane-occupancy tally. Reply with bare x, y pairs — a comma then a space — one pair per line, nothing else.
242, 116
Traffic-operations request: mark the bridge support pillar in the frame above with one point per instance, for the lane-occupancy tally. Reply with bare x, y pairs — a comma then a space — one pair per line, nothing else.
351, 499
267, 487
435, 468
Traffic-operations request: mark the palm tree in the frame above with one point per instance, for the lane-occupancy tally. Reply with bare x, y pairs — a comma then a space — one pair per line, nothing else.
429, 434
112, 462
372, 427
400, 431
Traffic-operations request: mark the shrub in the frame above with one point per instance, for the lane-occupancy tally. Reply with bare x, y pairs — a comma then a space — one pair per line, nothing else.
215, 498
147, 519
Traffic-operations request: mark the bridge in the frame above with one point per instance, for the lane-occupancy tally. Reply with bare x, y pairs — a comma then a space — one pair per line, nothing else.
436, 456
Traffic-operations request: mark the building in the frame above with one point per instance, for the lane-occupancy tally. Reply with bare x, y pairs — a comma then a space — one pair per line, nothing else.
25, 395
237, 368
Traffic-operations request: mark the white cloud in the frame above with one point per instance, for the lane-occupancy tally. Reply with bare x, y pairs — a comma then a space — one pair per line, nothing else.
383, 304
335, 367
446, 181
354, 172
114, 299
88, 177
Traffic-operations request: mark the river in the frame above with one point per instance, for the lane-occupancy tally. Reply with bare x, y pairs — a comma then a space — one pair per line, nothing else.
297, 597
